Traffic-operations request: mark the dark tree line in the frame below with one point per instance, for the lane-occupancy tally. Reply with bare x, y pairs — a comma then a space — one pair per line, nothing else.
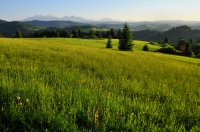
183, 48
173, 34
64, 33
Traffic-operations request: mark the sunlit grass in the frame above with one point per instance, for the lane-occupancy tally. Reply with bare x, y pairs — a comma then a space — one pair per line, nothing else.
78, 84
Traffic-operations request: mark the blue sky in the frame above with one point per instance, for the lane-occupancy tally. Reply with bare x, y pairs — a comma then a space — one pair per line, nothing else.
138, 10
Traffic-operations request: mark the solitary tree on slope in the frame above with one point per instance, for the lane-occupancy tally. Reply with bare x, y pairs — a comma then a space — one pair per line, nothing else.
126, 39
109, 43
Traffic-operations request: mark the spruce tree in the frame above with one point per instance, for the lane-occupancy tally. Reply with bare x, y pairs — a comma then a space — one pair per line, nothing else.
1, 36
119, 32
188, 50
80, 34
76, 34
166, 41
73, 33
126, 39
181, 44
191, 41
65, 33
107, 34
112, 32
36, 34
18, 34
91, 32
58, 33
98, 34
198, 40
109, 43
145, 48
103, 34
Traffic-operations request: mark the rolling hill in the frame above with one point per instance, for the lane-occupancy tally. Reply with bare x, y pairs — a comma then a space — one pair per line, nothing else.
158, 27
147, 31
196, 27
79, 85
2, 21
7, 29
174, 34
57, 24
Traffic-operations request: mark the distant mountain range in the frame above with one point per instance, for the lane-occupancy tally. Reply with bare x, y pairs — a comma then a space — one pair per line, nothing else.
143, 30
65, 18
51, 18
53, 21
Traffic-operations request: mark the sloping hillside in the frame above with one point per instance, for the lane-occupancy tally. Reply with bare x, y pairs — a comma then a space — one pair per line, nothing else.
2, 21
57, 24
173, 34
9, 28
78, 85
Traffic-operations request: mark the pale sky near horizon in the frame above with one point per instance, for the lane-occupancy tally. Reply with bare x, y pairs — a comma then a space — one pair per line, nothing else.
137, 10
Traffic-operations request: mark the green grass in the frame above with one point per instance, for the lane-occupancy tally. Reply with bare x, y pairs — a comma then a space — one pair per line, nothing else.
78, 85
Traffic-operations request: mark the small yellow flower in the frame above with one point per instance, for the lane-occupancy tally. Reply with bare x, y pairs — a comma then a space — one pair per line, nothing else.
18, 97
27, 100
20, 103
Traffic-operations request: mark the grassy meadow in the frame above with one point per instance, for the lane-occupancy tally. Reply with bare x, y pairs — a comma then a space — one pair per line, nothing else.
78, 85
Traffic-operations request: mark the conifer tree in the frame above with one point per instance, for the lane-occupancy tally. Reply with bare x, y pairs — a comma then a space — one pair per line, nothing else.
76, 34
181, 44
1, 36
91, 32
58, 33
145, 48
188, 50
191, 41
107, 34
103, 34
80, 34
98, 34
198, 40
37, 34
109, 43
65, 33
73, 33
18, 34
126, 39
119, 32
166, 41
112, 32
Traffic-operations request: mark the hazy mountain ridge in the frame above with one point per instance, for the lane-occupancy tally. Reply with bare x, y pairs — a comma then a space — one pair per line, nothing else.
51, 18
41, 18
71, 18
108, 22
2, 21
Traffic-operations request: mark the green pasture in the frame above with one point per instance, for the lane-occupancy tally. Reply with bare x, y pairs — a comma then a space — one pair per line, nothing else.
68, 84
